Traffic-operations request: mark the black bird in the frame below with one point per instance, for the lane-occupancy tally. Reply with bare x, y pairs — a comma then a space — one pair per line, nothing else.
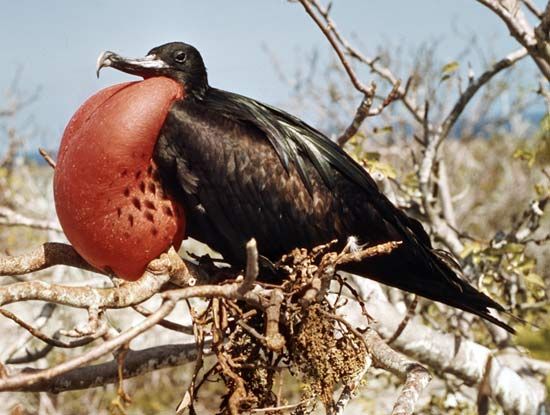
244, 169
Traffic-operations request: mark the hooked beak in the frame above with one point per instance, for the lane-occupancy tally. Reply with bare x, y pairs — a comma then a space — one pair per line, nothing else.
146, 67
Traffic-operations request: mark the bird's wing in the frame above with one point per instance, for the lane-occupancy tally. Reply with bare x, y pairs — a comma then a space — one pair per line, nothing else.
299, 144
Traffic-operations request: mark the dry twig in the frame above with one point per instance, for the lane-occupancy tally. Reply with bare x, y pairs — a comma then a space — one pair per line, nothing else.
322, 18
9, 217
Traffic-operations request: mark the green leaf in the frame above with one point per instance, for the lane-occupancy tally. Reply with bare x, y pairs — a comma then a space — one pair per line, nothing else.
541, 190
371, 156
527, 266
470, 247
525, 155
450, 68
513, 248
382, 130
545, 124
535, 279
373, 163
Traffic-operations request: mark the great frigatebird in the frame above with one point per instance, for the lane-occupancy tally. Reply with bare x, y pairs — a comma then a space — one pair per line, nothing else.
243, 169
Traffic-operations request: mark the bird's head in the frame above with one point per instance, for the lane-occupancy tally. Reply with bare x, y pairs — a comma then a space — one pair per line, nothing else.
175, 60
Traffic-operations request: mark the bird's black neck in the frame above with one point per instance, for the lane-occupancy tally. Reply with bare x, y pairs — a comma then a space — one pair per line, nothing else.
196, 86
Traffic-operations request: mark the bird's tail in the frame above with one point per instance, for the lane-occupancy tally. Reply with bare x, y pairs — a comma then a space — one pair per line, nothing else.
430, 273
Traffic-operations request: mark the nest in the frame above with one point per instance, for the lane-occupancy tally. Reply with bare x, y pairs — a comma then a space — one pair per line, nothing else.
296, 329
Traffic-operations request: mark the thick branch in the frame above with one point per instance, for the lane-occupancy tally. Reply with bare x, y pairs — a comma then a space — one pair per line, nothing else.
447, 353
45, 256
416, 377
126, 295
136, 363
159, 272
80, 296
521, 30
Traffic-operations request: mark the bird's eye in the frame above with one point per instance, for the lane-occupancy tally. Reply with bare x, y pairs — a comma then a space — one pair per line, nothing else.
180, 57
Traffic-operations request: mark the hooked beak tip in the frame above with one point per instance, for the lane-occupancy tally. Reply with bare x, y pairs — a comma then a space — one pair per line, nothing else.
103, 60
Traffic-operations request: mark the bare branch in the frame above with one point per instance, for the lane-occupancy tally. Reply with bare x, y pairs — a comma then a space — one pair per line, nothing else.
365, 110
30, 356
136, 363
126, 295
45, 256
416, 377
50, 254
445, 197
9, 217
542, 34
513, 389
384, 72
158, 272
328, 31
275, 341
252, 270
321, 17
532, 8
40, 321
408, 316
167, 324
521, 30
54, 341
20, 381
47, 157
433, 140
229, 291
372, 251
474, 86
350, 388
361, 113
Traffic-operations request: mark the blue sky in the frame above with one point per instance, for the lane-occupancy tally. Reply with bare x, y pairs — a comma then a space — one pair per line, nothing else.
55, 43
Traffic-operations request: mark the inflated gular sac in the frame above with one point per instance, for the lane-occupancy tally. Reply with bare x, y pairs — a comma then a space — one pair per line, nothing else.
108, 194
